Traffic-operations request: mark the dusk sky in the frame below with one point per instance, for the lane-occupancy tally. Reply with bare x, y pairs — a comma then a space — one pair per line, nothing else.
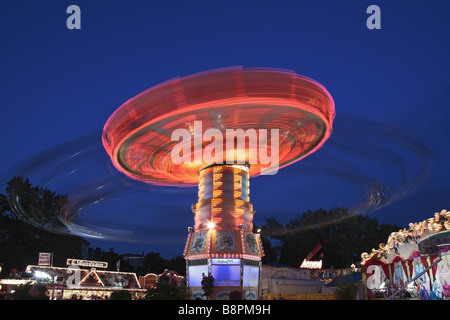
390, 87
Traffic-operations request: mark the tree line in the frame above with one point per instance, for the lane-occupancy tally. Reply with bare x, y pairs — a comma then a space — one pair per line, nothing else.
35, 227
340, 234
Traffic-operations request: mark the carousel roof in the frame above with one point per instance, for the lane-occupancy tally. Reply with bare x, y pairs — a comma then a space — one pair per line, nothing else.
412, 235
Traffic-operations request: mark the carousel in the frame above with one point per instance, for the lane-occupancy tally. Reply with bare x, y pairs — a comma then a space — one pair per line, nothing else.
414, 264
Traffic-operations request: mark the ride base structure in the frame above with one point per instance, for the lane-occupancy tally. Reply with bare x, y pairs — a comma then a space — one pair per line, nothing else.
222, 243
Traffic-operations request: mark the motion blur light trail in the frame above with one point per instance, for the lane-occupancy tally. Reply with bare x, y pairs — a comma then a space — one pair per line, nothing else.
365, 165
138, 135
102, 202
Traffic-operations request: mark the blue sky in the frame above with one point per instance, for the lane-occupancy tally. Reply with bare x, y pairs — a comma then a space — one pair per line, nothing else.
390, 88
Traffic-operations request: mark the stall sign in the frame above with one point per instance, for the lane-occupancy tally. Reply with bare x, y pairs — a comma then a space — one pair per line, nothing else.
87, 263
45, 259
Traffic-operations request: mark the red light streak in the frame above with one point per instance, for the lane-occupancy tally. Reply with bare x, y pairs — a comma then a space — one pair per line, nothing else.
137, 136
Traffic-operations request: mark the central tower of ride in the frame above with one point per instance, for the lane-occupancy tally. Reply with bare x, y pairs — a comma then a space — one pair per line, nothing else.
222, 243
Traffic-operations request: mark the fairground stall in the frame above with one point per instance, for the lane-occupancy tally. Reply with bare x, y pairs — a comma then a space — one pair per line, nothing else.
9, 286
413, 264
280, 282
171, 276
82, 280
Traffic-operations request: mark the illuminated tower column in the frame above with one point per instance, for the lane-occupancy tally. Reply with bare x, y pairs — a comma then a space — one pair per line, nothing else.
222, 242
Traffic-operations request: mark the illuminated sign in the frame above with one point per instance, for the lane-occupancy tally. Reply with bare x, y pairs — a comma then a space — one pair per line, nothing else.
225, 261
306, 264
87, 263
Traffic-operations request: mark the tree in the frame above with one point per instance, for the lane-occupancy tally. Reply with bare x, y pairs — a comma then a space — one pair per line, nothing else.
120, 295
37, 206
342, 235
164, 290
153, 263
29, 224
208, 285
177, 264
347, 291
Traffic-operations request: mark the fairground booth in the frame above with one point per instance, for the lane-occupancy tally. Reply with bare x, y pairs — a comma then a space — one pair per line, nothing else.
413, 264
84, 279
